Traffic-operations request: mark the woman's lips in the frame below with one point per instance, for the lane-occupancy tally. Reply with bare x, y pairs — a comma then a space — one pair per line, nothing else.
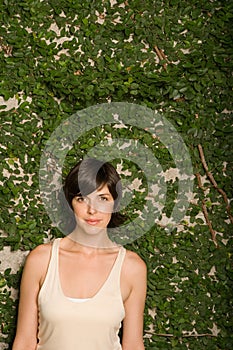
92, 222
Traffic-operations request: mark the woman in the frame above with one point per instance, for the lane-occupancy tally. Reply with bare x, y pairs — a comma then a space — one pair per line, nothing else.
76, 291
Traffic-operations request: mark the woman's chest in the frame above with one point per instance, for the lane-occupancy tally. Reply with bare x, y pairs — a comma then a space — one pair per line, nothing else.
83, 277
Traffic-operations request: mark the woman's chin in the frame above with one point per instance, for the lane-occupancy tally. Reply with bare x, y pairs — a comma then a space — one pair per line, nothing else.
91, 229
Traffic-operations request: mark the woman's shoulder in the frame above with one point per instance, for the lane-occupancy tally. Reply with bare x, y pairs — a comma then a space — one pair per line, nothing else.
40, 252
37, 261
134, 263
39, 257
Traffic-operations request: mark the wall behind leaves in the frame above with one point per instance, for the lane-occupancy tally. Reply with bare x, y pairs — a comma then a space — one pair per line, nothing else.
58, 57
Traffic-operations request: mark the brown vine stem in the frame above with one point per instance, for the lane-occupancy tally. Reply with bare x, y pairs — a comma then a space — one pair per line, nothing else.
161, 56
6, 48
205, 212
214, 183
183, 336
199, 335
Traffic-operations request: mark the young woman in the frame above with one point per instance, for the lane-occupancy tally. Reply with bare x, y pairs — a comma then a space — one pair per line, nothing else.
77, 291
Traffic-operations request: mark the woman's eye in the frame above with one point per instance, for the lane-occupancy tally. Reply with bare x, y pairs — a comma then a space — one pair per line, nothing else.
80, 199
103, 199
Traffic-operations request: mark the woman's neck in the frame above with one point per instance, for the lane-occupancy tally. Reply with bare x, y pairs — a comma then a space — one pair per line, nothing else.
100, 240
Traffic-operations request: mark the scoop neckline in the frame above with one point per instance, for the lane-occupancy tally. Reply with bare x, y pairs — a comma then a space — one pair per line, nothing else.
87, 299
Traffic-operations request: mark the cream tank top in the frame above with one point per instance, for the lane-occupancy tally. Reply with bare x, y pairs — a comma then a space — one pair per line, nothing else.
90, 325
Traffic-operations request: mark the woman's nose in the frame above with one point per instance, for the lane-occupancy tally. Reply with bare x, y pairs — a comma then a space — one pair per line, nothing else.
91, 207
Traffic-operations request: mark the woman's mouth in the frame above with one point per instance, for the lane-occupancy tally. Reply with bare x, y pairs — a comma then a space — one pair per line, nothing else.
92, 222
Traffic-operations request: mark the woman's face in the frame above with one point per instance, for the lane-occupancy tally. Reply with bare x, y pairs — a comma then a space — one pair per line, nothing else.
93, 211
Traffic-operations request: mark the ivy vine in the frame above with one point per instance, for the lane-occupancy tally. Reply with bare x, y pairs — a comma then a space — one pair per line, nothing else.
59, 57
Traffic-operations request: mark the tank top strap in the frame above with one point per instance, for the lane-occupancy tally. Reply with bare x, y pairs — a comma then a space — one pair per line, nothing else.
54, 261
51, 280
120, 258
113, 281
53, 265
55, 248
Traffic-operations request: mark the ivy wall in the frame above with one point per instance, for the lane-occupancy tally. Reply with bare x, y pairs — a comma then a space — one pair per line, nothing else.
60, 57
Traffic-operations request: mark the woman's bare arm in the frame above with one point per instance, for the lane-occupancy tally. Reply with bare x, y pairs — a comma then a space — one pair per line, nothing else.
33, 273
134, 305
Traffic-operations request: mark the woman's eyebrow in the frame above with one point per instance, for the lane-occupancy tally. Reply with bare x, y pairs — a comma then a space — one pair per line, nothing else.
104, 194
